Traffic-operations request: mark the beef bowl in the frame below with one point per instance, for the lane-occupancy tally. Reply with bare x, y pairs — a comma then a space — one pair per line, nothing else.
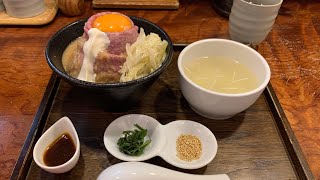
128, 91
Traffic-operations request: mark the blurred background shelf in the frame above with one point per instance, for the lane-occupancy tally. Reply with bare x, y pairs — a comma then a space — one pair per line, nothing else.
136, 4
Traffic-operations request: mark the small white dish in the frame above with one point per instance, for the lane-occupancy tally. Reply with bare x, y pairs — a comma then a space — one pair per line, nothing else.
145, 171
163, 140
63, 125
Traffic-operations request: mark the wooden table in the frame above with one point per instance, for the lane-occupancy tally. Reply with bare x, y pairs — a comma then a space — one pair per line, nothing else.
291, 49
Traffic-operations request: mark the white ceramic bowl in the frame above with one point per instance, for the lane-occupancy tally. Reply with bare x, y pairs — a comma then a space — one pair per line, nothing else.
163, 140
216, 105
64, 125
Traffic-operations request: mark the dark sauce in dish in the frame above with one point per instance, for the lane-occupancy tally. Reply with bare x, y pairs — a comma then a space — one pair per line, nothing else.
60, 151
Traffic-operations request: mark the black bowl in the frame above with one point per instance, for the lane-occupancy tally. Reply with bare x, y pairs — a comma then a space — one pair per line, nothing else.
127, 92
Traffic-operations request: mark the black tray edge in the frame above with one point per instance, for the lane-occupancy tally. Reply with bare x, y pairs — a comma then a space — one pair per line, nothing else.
25, 157
293, 148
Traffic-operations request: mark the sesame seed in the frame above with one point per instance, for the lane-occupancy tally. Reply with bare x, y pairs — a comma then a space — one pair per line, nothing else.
188, 147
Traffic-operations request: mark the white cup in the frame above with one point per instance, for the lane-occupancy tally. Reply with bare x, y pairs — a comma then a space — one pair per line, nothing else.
250, 21
24, 8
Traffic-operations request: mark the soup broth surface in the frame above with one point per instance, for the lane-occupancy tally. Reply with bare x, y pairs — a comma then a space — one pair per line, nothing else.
220, 74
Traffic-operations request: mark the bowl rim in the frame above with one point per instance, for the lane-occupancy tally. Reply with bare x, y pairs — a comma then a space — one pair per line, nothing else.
248, 93
279, 2
82, 83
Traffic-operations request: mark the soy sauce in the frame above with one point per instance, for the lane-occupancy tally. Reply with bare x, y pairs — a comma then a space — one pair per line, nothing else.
60, 151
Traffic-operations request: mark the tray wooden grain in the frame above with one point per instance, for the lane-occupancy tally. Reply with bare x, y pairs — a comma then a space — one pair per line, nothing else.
136, 4
44, 18
255, 144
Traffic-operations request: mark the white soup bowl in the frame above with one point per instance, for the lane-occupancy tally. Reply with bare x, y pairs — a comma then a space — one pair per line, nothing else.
215, 105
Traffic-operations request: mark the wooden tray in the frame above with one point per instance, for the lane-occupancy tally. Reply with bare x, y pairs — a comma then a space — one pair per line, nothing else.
44, 18
136, 4
255, 144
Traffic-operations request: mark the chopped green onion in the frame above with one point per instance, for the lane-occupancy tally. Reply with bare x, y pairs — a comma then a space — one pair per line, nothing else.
132, 142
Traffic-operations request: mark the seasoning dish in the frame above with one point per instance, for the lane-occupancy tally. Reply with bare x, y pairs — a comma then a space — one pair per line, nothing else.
62, 126
121, 93
163, 140
145, 171
216, 105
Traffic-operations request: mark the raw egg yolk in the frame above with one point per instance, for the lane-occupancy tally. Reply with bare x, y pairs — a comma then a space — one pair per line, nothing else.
112, 23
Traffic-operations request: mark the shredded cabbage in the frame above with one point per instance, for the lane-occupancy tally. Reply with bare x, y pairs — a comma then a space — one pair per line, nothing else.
143, 57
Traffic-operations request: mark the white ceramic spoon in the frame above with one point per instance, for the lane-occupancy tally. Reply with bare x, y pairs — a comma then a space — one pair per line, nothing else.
163, 140
145, 171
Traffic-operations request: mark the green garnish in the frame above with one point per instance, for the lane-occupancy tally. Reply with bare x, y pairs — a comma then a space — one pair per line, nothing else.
132, 143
